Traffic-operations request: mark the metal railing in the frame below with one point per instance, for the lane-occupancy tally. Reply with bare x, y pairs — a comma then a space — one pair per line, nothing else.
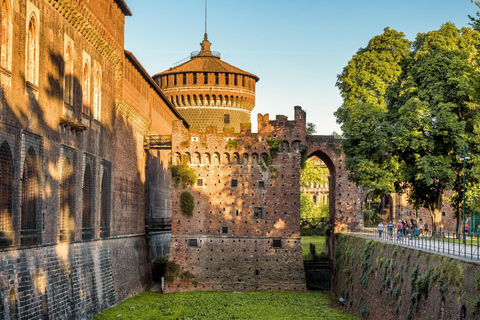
466, 246
158, 142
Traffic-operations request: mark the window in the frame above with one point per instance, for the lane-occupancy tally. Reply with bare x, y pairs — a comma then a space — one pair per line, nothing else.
6, 194
234, 183
194, 78
261, 184
32, 51
87, 204
67, 202
199, 182
226, 118
30, 191
205, 78
258, 212
97, 95
68, 75
192, 243
105, 194
227, 79
243, 81
237, 212
184, 78
235, 80
6, 35
86, 88
216, 78
276, 243
444, 214
224, 230
409, 213
174, 79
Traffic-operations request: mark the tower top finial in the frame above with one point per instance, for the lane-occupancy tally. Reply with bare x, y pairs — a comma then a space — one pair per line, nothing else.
205, 19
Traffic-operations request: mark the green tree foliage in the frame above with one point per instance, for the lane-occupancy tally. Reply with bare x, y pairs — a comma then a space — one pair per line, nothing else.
310, 175
309, 209
182, 173
187, 203
311, 128
408, 110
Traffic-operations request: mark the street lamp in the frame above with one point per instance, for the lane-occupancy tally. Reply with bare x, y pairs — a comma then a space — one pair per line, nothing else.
464, 157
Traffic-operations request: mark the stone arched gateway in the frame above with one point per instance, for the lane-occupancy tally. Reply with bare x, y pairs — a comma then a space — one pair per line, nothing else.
345, 198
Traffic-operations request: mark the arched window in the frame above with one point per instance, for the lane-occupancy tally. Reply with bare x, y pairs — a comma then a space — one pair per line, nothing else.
205, 78
194, 78
30, 190
227, 79
195, 101
97, 95
87, 204
67, 202
207, 158
177, 158
86, 88
201, 100
6, 194
32, 50
6, 35
68, 90
216, 158
105, 203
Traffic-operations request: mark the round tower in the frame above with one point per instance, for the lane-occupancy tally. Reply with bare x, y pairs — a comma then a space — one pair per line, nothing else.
209, 92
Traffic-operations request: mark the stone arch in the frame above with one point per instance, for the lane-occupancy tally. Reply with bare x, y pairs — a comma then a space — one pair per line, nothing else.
207, 158
245, 159
88, 204
195, 102
6, 193
30, 195
285, 147
183, 101
254, 158
264, 157
296, 146
207, 100
214, 99
177, 158
236, 158
189, 101
200, 97
216, 158
197, 159
187, 158
226, 158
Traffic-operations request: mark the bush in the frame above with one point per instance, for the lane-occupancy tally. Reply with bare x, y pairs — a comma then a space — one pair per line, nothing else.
187, 203
182, 173
312, 232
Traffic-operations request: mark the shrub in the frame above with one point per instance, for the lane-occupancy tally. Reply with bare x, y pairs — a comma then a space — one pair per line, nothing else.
183, 173
187, 203
232, 144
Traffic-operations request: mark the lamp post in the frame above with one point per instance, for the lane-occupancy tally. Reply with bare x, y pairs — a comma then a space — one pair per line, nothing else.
464, 157
369, 212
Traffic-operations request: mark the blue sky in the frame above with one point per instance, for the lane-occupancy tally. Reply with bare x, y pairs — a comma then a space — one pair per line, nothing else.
296, 47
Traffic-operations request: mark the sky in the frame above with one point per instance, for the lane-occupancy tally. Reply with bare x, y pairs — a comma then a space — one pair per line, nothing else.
296, 47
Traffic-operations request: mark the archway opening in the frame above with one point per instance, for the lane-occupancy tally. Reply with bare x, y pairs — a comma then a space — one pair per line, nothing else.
317, 204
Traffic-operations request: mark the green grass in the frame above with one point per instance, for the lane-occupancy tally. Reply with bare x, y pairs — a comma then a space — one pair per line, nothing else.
318, 241
226, 305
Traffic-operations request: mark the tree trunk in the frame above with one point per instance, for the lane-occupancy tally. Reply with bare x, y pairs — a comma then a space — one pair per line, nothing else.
434, 207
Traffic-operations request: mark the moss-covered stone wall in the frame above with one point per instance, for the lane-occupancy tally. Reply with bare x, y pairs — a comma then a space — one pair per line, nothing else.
381, 280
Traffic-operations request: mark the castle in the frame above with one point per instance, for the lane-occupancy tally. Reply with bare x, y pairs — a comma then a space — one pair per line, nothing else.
86, 140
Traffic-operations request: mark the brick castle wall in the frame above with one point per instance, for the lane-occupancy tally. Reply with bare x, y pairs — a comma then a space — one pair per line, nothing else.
245, 223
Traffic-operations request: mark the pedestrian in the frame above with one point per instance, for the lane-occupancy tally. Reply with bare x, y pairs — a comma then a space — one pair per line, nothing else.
425, 228
380, 229
466, 228
420, 228
390, 227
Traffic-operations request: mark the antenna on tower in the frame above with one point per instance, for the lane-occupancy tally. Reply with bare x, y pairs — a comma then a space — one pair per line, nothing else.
205, 19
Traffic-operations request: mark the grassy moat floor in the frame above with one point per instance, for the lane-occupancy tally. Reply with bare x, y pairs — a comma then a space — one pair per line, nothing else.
258, 305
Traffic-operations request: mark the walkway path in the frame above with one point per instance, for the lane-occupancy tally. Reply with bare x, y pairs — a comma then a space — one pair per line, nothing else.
442, 243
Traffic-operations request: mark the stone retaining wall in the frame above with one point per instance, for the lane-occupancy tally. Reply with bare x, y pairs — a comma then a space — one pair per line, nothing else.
384, 281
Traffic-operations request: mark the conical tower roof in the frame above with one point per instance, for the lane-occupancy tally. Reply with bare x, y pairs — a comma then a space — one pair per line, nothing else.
206, 60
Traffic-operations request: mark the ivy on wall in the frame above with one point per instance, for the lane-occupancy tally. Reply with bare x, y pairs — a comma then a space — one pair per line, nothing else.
187, 203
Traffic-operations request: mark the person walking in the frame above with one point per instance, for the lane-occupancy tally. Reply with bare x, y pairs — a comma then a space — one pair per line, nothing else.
390, 227
380, 229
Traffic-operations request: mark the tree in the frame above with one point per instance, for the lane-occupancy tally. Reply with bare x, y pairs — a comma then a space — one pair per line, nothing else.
311, 128
414, 122
311, 174
310, 210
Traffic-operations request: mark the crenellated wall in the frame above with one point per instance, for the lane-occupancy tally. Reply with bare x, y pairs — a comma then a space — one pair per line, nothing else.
244, 233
